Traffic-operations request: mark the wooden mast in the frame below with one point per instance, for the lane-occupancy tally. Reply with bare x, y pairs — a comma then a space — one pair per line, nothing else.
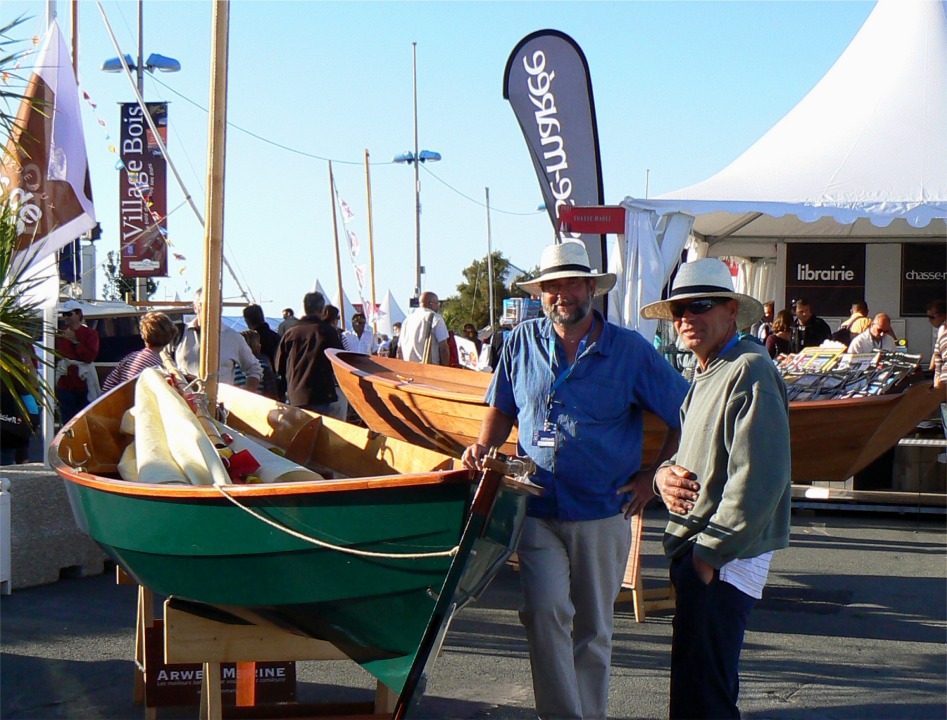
490, 262
335, 232
214, 229
371, 242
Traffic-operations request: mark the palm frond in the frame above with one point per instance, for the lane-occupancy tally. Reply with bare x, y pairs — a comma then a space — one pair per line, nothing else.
12, 85
20, 318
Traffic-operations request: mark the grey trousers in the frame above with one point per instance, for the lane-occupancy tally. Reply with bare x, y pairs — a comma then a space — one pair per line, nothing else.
571, 573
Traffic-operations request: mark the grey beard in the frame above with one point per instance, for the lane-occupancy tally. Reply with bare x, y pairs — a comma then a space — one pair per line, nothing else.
574, 318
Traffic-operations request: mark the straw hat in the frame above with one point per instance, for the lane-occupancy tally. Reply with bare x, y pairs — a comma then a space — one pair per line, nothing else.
707, 278
567, 260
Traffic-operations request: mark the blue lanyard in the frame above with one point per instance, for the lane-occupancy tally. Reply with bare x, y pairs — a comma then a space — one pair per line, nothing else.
733, 341
558, 382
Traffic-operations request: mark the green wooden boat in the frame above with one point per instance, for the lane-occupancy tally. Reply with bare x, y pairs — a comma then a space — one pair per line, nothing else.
405, 537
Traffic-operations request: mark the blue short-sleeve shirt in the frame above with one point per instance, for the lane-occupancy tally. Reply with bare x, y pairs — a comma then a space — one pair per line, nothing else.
597, 413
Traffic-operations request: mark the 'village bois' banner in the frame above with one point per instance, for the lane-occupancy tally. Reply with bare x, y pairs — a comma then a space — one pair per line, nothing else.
143, 203
548, 85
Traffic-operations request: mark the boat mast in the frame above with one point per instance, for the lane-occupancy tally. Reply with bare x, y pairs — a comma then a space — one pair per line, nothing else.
371, 241
214, 229
335, 232
489, 260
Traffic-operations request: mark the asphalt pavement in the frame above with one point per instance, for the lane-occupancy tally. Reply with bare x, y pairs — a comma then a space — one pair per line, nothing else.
853, 625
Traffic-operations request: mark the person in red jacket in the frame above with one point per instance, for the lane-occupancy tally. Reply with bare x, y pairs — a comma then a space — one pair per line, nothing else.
76, 343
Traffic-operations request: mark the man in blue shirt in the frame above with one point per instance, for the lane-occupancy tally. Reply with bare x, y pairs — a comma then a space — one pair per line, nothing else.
577, 387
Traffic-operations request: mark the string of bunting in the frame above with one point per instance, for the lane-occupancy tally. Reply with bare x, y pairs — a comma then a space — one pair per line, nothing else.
372, 311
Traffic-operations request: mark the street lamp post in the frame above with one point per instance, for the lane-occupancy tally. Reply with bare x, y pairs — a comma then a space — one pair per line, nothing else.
416, 158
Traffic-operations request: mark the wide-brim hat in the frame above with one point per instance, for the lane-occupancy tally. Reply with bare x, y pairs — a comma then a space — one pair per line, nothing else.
568, 259
706, 278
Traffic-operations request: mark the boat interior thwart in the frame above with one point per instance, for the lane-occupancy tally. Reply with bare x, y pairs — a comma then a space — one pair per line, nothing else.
442, 408
330, 530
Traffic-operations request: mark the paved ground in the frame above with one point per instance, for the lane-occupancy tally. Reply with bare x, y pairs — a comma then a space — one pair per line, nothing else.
853, 625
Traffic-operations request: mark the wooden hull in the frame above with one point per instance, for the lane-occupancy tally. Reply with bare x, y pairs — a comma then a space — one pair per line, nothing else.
438, 407
432, 406
386, 497
834, 439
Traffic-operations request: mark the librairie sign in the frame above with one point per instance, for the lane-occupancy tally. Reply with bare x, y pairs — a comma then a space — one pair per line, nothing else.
831, 276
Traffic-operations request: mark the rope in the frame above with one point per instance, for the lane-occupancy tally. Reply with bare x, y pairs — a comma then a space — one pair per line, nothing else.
329, 546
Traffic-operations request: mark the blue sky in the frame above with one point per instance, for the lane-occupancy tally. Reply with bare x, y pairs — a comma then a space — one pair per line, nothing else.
681, 89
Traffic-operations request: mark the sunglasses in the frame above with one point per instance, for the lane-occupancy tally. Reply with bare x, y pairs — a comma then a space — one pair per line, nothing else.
695, 307
933, 317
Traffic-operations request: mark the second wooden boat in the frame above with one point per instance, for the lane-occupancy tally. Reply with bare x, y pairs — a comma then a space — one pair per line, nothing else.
439, 407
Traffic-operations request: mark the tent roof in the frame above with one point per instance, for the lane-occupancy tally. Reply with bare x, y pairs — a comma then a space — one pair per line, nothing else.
860, 156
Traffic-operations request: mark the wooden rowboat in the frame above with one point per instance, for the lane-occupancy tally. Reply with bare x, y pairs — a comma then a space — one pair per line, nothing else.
433, 406
441, 408
405, 537
834, 439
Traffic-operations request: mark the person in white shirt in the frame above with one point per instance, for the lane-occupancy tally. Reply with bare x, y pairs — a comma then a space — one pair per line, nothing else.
878, 336
424, 334
359, 339
234, 351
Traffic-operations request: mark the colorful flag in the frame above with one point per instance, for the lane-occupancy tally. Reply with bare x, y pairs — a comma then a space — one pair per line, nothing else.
347, 214
360, 275
44, 173
354, 245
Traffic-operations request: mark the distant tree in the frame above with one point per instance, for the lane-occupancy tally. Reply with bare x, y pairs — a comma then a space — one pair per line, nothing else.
519, 292
117, 285
472, 302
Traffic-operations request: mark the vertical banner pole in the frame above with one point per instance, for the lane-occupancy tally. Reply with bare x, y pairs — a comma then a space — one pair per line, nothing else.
335, 232
371, 242
489, 259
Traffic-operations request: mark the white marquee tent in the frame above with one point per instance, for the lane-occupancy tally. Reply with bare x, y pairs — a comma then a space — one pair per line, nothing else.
860, 158
389, 313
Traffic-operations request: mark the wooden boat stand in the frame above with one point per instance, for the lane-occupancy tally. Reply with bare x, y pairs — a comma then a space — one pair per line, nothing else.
632, 586
190, 638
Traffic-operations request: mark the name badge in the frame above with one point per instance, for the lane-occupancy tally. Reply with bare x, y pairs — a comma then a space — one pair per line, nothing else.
545, 438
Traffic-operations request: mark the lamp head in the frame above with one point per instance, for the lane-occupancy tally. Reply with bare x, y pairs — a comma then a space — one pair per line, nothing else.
114, 65
162, 63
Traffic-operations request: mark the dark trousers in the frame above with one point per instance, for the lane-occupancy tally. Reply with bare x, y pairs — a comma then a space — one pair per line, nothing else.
70, 403
709, 623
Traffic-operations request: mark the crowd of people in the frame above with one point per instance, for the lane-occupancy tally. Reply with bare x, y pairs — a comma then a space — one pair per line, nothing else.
791, 330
